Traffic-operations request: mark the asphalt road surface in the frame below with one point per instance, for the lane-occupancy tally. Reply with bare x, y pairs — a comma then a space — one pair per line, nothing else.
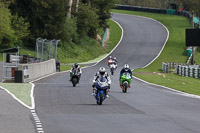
144, 109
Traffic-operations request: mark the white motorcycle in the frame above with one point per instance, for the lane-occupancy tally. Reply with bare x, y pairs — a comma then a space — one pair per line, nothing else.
113, 67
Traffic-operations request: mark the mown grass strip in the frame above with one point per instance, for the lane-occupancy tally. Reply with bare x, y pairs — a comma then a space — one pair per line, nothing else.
174, 51
21, 90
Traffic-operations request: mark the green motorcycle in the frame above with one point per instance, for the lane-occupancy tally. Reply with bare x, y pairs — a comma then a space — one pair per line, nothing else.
125, 81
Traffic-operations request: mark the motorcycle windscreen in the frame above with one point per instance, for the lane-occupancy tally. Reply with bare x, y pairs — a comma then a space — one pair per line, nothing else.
102, 79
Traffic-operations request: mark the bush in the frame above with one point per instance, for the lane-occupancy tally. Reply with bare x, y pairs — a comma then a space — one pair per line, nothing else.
7, 36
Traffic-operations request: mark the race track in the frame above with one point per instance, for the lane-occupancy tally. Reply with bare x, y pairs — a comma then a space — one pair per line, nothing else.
144, 109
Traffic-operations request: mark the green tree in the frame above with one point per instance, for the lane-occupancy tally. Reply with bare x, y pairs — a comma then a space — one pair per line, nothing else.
69, 32
103, 10
20, 27
87, 20
7, 36
46, 17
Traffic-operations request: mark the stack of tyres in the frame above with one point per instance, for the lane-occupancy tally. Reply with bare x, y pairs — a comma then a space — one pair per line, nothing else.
177, 70
182, 70
189, 72
195, 72
199, 73
186, 71
179, 73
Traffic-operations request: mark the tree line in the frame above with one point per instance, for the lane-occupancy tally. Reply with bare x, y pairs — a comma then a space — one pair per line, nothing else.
23, 21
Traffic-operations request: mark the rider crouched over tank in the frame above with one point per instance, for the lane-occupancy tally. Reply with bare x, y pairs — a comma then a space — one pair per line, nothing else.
125, 69
101, 72
76, 69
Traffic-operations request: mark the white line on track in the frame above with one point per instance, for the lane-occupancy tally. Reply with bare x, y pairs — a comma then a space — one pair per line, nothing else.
37, 121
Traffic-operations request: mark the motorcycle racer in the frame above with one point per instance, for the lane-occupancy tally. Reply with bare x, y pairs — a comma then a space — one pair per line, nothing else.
101, 72
75, 68
125, 69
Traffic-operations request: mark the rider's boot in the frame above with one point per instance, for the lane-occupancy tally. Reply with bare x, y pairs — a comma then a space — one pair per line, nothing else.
107, 93
94, 92
121, 85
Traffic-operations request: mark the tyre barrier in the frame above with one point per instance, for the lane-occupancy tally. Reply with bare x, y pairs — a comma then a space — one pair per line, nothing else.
170, 65
188, 71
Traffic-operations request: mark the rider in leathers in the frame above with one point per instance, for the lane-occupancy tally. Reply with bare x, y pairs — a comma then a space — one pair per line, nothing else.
102, 72
125, 69
75, 68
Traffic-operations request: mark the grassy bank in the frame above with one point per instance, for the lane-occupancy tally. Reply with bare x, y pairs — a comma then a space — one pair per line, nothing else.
174, 51
86, 50
89, 49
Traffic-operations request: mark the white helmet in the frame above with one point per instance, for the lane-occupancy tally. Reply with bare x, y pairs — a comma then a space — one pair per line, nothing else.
102, 70
114, 58
126, 67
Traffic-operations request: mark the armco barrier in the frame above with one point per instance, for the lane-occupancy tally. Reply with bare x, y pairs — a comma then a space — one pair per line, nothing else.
141, 9
34, 71
153, 10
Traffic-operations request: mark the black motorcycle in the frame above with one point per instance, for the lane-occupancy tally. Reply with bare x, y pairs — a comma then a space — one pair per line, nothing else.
75, 78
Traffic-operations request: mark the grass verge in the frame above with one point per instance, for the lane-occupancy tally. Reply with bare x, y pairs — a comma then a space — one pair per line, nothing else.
174, 51
21, 90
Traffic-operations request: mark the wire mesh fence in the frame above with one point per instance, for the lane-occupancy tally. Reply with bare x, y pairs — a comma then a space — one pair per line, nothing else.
46, 49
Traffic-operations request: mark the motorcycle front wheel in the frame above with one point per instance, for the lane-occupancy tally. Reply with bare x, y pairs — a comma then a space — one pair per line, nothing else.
74, 81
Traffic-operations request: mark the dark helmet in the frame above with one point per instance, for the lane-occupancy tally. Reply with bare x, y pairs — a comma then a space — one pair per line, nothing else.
75, 65
102, 70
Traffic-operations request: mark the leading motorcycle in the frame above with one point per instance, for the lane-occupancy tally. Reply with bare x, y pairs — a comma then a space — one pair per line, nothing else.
101, 86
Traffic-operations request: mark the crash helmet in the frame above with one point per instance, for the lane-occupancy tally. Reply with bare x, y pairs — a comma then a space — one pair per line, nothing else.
76, 65
126, 67
110, 57
102, 70
114, 58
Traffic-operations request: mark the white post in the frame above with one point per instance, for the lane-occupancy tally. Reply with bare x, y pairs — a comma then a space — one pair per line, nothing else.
77, 2
70, 8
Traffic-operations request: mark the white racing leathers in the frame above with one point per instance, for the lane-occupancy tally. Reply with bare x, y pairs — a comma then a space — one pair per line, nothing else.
97, 75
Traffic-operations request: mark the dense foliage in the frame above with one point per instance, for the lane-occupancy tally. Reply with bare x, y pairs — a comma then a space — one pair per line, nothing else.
13, 29
23, 21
